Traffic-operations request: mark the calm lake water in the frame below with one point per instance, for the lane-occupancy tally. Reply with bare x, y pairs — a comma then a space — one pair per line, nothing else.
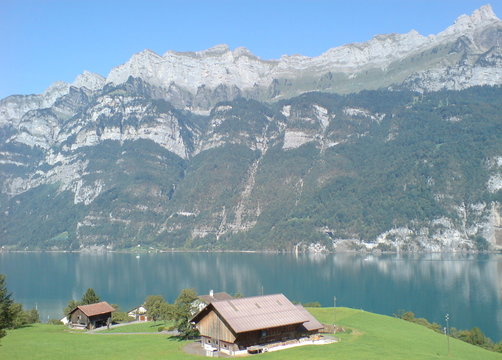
468, 287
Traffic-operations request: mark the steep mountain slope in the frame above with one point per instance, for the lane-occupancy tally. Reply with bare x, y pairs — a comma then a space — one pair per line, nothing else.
378, 169
222, 150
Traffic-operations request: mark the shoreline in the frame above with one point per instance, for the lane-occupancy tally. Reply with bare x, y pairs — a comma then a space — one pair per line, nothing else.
277, 252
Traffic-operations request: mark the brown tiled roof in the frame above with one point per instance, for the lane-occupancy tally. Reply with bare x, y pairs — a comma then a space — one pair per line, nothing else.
208, 299
312, 324
258, 312
96, 309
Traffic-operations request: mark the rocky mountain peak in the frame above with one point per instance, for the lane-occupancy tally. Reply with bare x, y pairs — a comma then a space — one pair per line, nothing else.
90, 80
466, 25
197, 79
216, 50
483, 14
480, 17
242, 51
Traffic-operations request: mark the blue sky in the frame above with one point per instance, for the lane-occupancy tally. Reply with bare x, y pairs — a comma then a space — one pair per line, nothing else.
48, 40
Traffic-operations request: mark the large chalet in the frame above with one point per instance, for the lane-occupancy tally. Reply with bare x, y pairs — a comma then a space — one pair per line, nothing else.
238, 324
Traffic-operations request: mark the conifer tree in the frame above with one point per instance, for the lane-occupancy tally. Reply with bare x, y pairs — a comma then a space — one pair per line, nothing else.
183, 310
6, 302
90, 297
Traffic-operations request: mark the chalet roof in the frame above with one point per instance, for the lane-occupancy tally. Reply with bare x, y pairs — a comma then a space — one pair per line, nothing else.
95, 309
255, 313
219, 296
312, 324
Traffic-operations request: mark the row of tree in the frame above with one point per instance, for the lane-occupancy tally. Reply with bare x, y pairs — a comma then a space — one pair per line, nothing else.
180, 313
474, 336
12, 314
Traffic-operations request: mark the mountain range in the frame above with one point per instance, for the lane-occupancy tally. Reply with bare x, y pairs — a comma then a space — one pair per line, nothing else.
391, 144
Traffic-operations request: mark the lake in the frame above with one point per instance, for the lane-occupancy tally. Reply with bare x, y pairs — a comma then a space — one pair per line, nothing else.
466, 286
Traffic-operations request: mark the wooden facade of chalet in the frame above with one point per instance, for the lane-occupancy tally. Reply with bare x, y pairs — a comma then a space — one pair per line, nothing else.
233, 325
91, 316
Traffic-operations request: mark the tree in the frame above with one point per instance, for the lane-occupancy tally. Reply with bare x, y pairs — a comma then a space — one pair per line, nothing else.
17, 313
90, 297
32, 316
72, 304
183, 311
156, 307
5, 307
21, 317
119, 316
476, 337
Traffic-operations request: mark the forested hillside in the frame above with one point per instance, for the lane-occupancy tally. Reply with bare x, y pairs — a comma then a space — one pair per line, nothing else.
378, 169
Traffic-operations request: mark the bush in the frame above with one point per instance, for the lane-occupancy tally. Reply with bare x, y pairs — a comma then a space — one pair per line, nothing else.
474, 336
20, 317
120, 317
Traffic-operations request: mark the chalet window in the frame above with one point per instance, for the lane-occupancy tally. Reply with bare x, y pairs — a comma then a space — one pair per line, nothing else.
263, 333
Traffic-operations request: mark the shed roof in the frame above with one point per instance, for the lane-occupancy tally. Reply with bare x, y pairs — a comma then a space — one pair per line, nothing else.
255, 313
312, 324
219, 296
96, 309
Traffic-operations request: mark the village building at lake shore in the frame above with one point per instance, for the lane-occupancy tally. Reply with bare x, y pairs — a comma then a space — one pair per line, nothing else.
205, 300
139, 313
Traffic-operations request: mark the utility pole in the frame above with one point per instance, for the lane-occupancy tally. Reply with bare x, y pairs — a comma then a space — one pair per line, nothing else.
447, 332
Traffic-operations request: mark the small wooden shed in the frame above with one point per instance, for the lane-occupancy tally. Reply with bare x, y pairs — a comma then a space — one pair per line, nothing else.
91, 316
237, 324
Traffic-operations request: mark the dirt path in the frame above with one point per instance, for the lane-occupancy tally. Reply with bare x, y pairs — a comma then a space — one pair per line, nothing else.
111, 327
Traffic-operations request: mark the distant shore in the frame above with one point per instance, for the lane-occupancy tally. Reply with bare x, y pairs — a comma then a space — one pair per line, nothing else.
157, 251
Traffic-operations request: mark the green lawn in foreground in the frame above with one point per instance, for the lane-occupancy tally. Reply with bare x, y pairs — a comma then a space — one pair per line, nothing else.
55, 342
382, 337
373, 337
148, 326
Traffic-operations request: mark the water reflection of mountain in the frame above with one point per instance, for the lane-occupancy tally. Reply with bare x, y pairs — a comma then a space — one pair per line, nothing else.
468, 287
499, 278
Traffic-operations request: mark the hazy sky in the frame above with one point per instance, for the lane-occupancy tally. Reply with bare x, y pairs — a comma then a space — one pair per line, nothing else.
43, 41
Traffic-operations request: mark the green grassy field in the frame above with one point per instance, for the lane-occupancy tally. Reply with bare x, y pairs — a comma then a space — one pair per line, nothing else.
55, 342
372, 337
149, 326
382, 337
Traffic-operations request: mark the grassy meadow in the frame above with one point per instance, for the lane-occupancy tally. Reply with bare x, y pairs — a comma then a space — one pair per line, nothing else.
56, 342
371, 336
374, 336
143, 327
